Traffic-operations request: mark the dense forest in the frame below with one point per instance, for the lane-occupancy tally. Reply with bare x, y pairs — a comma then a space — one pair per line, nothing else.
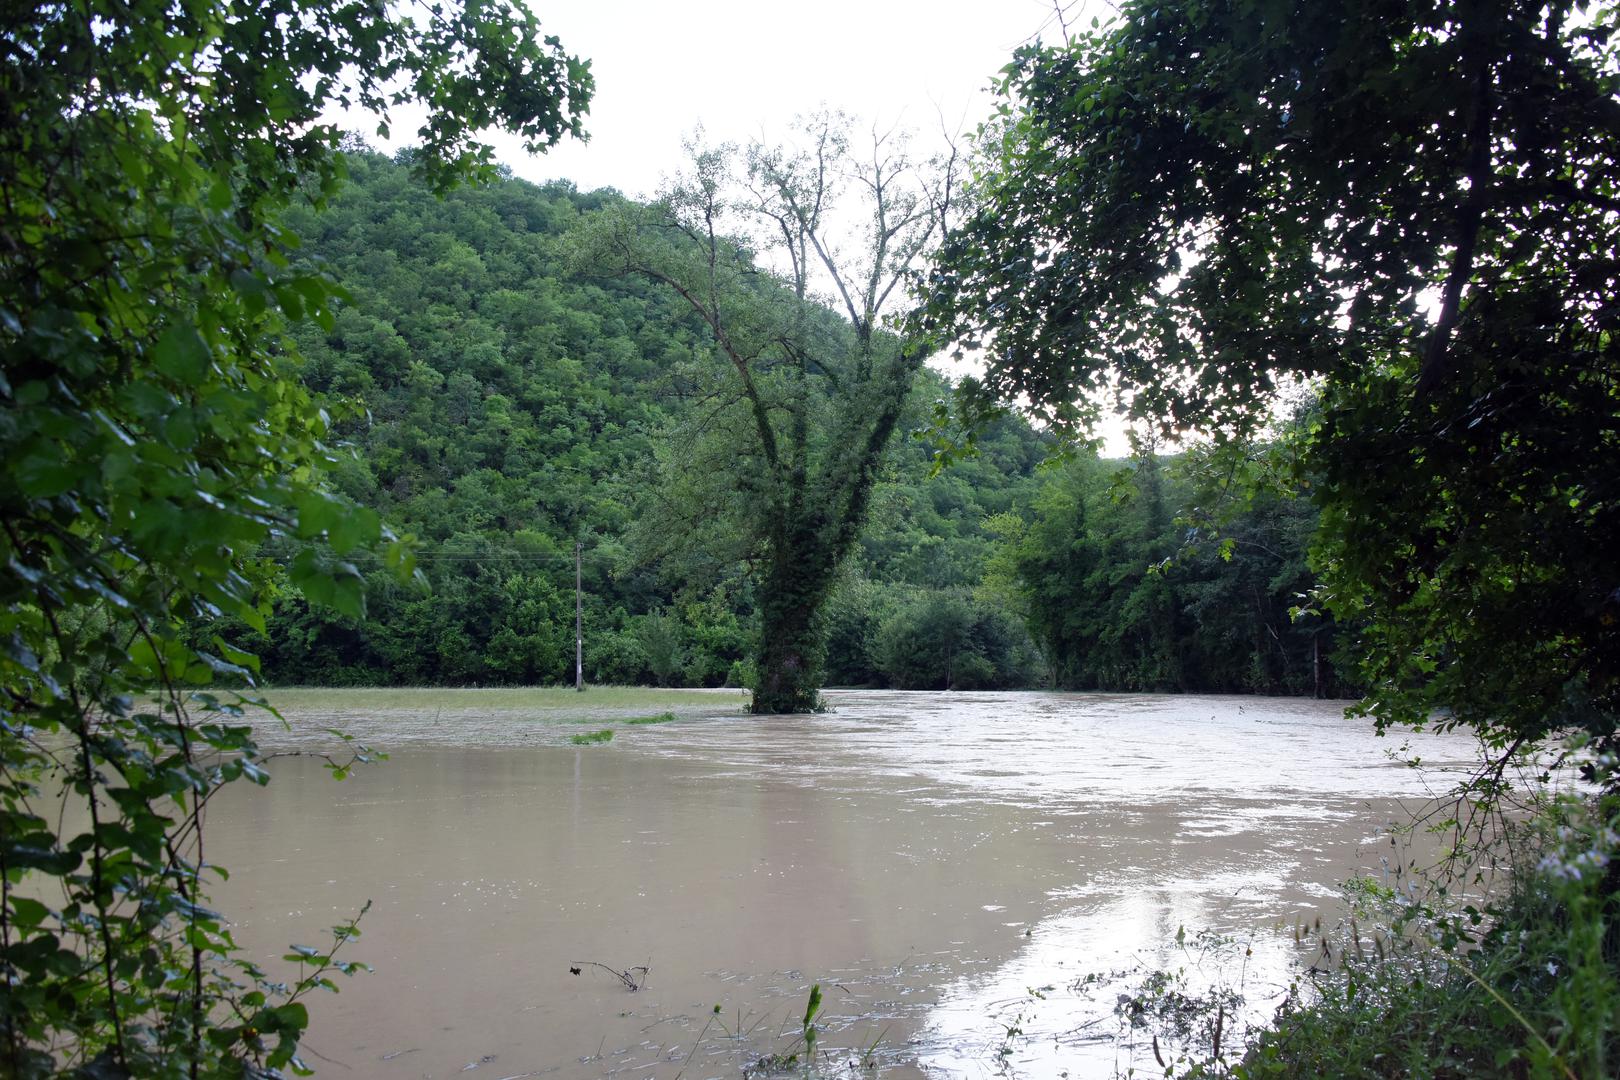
513, 402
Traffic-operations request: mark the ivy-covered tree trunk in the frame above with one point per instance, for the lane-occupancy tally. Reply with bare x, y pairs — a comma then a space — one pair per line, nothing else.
815, 530
789, 654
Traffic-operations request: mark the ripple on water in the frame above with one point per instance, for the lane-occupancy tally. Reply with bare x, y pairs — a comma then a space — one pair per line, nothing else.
927, 858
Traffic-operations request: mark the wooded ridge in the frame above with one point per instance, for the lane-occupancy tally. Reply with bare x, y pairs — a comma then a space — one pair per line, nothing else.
515, 402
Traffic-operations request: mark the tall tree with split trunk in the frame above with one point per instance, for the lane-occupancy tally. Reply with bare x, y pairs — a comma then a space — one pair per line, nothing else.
791, 256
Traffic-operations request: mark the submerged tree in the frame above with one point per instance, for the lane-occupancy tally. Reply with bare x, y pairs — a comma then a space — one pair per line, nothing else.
808, 388
1417, 206
154, 436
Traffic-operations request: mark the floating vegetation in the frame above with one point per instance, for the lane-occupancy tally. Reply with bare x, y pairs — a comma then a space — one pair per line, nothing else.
591, 737
661, 718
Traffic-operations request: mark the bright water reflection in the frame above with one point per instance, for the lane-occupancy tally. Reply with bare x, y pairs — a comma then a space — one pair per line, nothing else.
928, 858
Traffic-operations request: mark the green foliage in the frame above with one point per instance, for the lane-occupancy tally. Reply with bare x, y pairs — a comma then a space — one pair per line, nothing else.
1413, 205
659, 637
802, 1049
897, 634
853, 613
592, 738
804, 402
1121, 582
660, 718
1536, 994
155, 438
942, 640
509, 409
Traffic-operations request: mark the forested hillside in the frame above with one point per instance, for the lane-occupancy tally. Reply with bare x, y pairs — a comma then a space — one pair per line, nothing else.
517, 402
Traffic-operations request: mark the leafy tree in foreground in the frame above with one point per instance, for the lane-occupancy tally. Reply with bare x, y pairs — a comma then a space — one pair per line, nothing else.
804, 402
154, 435
1415, 205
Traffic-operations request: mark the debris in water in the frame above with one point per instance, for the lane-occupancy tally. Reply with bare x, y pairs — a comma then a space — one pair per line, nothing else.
632, 978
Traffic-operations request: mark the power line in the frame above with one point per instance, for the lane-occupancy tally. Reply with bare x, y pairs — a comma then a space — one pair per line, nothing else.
501, 557
470, 557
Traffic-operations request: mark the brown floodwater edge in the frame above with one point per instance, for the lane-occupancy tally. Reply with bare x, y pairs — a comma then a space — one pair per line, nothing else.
927, 859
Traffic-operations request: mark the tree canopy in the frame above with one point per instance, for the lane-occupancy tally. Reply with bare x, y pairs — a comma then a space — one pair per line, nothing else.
1409, 207
806, 401
155, 436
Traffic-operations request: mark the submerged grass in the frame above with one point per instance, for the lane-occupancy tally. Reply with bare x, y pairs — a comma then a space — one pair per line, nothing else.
544, 703
661, 718
590, 737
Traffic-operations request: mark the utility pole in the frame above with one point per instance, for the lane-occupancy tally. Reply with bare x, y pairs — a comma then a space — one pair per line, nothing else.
1316, 662
579, 626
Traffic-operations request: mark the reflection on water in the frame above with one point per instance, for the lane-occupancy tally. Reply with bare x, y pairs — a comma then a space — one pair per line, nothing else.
928, 858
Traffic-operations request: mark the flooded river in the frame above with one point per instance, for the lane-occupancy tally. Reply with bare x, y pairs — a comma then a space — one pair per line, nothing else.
945, 866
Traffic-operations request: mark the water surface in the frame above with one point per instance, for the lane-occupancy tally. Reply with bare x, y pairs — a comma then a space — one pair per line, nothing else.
928, 859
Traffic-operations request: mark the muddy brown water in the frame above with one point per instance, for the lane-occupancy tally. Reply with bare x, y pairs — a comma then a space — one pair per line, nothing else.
928, 859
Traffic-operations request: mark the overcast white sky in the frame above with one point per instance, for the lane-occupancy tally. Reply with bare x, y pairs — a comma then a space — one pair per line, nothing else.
744, 68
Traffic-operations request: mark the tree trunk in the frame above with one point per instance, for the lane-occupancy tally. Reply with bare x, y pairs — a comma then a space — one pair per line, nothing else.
790, 650
788, 656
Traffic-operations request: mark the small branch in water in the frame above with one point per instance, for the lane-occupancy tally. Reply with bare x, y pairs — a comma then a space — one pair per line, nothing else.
304, 1047
633, 978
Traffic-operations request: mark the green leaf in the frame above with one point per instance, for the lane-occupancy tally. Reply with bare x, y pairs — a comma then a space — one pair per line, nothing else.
182, 354
27, 913
220, 195
235, 655
359, 527
319, 512
339, 587
45, 473
36, 857
293, 1017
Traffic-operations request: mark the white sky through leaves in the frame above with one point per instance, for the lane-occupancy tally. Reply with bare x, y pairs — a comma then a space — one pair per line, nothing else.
746, 68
